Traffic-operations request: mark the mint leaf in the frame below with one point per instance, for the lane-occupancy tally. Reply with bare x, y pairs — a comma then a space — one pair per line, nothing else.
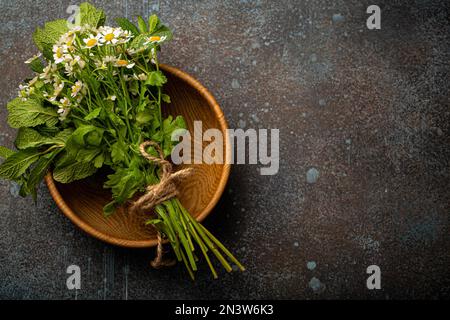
29, 138
91, 15
126, 24
74, 171
39, 171
5, 153
16, 164
30, 113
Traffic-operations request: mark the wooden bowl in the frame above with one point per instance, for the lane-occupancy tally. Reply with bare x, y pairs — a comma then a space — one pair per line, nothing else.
82, 201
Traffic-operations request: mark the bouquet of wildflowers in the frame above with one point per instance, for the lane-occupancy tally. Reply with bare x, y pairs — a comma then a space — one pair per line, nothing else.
94, 102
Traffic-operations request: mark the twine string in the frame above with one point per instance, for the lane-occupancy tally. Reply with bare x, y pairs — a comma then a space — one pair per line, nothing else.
156, 194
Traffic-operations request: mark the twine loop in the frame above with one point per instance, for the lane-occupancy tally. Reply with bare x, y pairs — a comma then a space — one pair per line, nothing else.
156, 194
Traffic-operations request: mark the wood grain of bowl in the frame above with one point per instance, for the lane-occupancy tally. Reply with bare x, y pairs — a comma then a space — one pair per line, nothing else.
82, 201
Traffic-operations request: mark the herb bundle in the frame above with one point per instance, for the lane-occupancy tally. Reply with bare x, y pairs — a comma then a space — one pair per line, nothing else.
95, 99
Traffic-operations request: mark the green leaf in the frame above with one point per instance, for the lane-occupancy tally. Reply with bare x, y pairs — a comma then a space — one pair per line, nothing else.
125, 182
169, 127
36, 65
85, 136
142, 25
144, 117
93, 114
153, 22
91, 15
118, 152
74, 171
156, 78
29, 138
46, 37
30, 113
40, 170
110, 208
5, 153
126, 24
99, 160
16, 164
166, 98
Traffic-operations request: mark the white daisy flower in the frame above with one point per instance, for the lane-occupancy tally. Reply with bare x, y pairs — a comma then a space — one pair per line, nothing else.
155, 39
65, 102
92, 41
124, 63
140, 77
63, 113
77, 88
110, 35
48, 72
58, 88
58, 54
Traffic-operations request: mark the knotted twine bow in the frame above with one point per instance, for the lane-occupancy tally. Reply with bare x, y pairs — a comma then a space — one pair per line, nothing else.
156, 194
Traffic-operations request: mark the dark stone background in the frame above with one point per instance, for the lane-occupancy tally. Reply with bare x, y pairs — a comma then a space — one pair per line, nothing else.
369, 110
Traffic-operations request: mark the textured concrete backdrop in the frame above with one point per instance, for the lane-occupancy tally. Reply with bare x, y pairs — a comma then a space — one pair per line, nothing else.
364, 177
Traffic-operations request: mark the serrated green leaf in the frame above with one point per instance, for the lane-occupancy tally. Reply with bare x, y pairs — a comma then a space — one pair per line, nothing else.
126, 24
99, 160
156, 78
29, 138
118, 152
16, 164
5, 153
74, 171
92, 16
30, 113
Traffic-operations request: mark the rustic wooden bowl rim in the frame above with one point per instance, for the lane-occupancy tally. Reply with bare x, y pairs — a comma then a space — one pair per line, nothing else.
68, 212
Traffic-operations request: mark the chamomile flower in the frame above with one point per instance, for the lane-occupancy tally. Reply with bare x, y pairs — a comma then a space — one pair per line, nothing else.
65, 102
48, 72
140, 77
155, 39
124, 63
92, 41
25, 91
63, 113
58, 54
58, 86
109, 35
77, 88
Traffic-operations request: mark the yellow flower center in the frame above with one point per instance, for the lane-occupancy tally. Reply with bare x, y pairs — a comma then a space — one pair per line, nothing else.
91, 42
155, 38
109, 37
59, 53
122, 63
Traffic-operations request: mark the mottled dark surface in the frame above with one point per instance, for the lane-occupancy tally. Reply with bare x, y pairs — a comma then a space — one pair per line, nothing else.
368, 111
